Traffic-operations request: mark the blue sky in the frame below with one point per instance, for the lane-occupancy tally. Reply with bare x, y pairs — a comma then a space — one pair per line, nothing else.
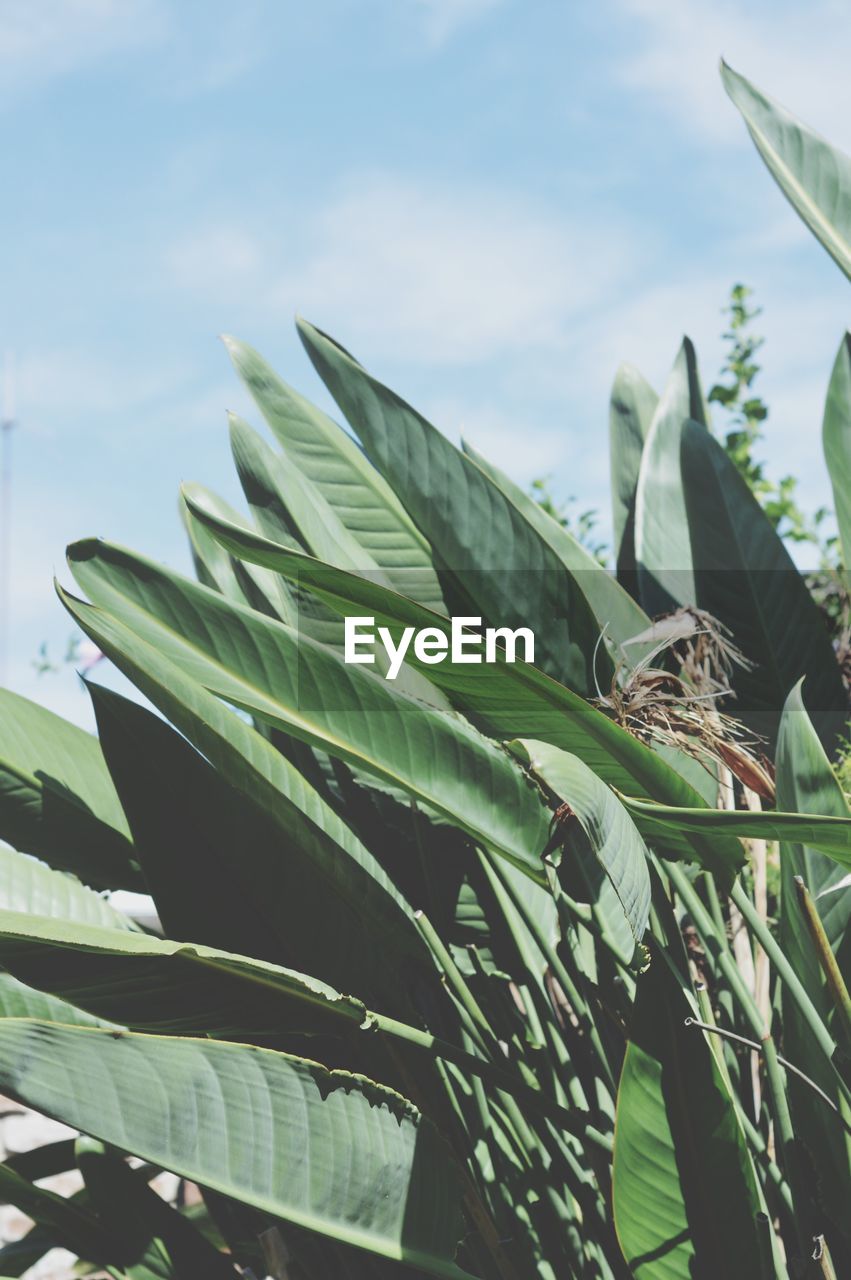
491, 202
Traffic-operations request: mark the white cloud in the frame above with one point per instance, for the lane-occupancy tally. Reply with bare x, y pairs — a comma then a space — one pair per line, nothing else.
797, 54
55, 386
217, 260
419, 271
442, 18
450, 275
53, 37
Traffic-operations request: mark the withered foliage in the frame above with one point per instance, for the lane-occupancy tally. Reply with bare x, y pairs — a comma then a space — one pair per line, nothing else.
680, 707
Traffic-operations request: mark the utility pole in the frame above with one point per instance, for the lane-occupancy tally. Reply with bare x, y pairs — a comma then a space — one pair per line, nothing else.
7, 426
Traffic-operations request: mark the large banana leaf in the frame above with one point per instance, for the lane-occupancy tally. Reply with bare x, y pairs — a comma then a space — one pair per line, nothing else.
506, 700
814, 176
662, 544
265, 893
323, 1149
684, 1191
494, 557
806, 783
611, 833
618, 616
56, 796
292, 511
26, 884
631, 409
100, 976
285, 678
267, 486
360, 497
153, 984
745, 577
315, 849
836, 439
17, 1000
830, 833
247, 584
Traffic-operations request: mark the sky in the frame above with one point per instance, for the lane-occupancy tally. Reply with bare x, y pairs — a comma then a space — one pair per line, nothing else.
492, 203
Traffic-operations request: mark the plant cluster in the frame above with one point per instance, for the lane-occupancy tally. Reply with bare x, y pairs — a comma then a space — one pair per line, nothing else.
498, 971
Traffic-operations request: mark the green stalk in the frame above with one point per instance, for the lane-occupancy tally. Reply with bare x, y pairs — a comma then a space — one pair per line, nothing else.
786, 1134
766, 1243
509, 1086
457, 981
537, 999
830, 968
535, 1144
773, 1172
724, 960
583, 1065
557, 966
707, 1013
793, 983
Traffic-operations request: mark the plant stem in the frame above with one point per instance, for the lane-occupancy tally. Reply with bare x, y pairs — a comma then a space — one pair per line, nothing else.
572, 1121
559, 970
751, 1044
786, 1135
827, 960
722, 956
793, 983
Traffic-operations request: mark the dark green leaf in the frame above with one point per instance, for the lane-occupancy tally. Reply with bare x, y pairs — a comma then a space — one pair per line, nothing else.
684, 1190
323, 1149
56, 797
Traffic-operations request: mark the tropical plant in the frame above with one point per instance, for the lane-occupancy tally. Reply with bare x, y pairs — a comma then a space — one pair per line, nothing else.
746, 415
473, 972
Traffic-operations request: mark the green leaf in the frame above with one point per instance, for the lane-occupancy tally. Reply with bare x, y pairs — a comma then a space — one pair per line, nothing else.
360, 497
30, 886
491, 555
247, 823
618, 616
17, 1000
836, 439
506, 699
170, 988
56, 797
631, 408
684, 1191
247, 584
154, 984
291, 511
662, 545
154, 1238
285, 678
814, 176
68, 1223
26, 884
745, 577
286, 506
806, 783
611, 833
828, 833
323, 1149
